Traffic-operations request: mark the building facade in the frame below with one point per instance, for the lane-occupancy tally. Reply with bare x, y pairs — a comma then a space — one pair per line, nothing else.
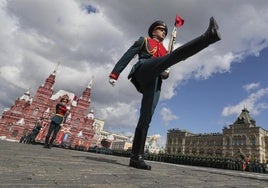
242, 139
21, 118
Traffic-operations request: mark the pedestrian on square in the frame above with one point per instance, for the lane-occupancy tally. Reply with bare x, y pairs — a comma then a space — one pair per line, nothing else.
56, 121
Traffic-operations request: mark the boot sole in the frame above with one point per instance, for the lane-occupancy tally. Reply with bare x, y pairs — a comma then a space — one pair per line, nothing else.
138, 166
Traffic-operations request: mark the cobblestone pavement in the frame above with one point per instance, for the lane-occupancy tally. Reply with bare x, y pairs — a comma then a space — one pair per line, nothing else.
25, 165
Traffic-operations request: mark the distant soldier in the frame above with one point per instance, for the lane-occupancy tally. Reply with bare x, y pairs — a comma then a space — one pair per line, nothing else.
243, 159
242, 155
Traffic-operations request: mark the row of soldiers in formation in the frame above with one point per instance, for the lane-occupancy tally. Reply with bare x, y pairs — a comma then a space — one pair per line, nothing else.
223, 163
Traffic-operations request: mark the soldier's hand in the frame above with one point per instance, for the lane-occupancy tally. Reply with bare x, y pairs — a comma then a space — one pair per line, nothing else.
165, 74
112, 81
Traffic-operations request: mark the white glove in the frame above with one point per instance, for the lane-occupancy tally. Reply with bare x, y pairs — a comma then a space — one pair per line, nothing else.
112, 81
165, 73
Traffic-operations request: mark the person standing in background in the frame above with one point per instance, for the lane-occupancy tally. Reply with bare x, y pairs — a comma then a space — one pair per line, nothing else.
56, 121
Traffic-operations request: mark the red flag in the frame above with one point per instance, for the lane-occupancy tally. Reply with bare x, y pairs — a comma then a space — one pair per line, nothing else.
178, 21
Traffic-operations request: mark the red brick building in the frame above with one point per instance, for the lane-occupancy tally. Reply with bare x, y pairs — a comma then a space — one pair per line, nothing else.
23, 115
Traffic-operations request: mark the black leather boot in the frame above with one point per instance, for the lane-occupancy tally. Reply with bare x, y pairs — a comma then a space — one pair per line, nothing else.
50, 145
46, 143
137, 160
194, 46
212, 32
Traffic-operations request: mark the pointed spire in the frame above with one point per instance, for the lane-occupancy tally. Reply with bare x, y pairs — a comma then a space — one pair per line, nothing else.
245, 110
87, 91
26, 95
244, 117
91, 114
69, 118
90, 82
80, 134
47, 110
46, 113
51, 79
20, 122
56, 68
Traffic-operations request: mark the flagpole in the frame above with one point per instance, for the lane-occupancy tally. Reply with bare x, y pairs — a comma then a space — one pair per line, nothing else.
172, 39
178, 23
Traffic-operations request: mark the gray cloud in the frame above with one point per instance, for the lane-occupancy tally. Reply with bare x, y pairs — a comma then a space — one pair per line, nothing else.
37, 34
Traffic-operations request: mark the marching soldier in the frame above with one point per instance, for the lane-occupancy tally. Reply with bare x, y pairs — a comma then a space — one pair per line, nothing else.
146, 74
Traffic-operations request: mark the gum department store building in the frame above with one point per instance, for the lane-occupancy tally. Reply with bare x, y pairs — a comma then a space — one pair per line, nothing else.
242, 138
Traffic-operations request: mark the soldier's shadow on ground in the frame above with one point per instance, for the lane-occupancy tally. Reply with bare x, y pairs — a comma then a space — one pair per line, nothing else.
101, 159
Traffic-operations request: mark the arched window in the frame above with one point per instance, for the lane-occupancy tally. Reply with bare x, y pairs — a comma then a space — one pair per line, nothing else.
19, 108
187, 142
228, 141
8, 128
239, 140
77, 121
244, 140
218, 152
35, 112
227, 154
235, 141
209, 152
201, 152
14, 133
252, 140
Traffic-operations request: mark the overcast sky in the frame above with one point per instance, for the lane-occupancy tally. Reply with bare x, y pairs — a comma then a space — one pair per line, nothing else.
203, 94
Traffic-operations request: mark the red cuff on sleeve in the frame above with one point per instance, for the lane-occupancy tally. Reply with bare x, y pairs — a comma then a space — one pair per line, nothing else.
114, 76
